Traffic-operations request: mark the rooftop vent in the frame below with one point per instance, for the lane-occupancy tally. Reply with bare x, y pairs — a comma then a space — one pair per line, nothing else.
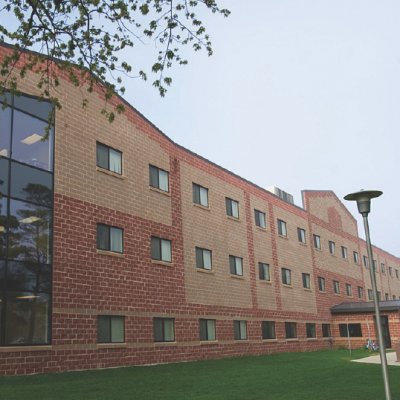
281, 194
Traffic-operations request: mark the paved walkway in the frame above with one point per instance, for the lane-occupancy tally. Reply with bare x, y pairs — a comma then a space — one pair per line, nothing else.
375, 359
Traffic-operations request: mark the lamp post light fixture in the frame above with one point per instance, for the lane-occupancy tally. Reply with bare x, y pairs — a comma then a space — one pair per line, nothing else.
363, 199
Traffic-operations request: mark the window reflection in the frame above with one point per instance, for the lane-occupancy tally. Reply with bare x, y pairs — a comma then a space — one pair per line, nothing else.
3, 177
5, 131
31, 184
32, 143
27, 316
33, 106
29, 232
22, 276
3, 225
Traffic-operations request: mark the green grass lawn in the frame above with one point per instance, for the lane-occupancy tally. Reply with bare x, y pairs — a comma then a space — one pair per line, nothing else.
291, 376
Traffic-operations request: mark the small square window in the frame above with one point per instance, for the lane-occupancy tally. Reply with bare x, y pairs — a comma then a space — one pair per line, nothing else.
349, 290
110, 329
306, 280
164, 329
301, 235
200, 195
360, 292
310, 330
321, 284
282, 231
232, 207
336, 287
108, 158
344, 252
260, 219
268, 330
331, 247
355, 257
317, 241
207, 329
110, 238
203, 258
286, 276
326, 330
236, 265
263, 270
291, 330
159, 178
240, 330
161, 249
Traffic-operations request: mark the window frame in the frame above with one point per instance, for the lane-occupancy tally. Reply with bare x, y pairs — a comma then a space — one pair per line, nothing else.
290, 330
229, 207
108, 148
306, 280
301, 235
109, 319
200, 251
205, 322
350, 330
286, 276
197, 190
332, 247
349, 290
267, 327
163, 321
160, 249
336, 286
238, 326
258, 220
233, 267
282, 227
360, 292
321, 283
317, 241
110, 228
311, 330
356, 257
156, 185
344, 252
326, 330
262, 274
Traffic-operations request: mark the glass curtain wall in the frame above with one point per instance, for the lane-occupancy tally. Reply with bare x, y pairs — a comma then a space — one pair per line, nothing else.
26, 212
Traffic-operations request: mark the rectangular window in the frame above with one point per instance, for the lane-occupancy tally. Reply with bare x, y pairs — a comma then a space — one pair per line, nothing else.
390, 271
159, 178
263, 270
301, 235
232, 207
355, 257
349, 290
310, 330
379, 295
236, 265
207, 329
321, 284
336, 287
286, 276
374, 264
386, 296
383, 268
365, 261
306, 280
344, 252
370, 294
110, 238
268, 330
326, 330
331, 247
161, 249
110, 329
164, 329
351, 330
317, 241
240, 330
260, 219
200, 195
203, 258
397, 273
360, 292
282, 228
291, 330
109, 158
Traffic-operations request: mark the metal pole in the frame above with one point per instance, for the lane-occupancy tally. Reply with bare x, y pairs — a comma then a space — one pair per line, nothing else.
348, 336
382, 352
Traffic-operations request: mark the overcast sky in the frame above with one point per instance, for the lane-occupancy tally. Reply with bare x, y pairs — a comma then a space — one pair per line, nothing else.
299, 94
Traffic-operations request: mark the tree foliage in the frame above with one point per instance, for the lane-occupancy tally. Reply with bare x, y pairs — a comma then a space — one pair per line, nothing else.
94, 35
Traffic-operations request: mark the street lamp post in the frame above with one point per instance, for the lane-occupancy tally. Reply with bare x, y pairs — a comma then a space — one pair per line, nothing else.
363, 199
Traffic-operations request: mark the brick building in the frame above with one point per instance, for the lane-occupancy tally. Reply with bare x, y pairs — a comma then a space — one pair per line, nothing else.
120, 247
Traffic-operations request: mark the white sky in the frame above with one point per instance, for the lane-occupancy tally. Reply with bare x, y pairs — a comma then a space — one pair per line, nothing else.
300, 94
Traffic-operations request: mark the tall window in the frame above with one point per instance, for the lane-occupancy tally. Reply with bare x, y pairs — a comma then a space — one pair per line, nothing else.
161, 249
331, 247
232, 207
110, 238
349, 290
26, 210
291, 330
360, 292
301, 235
344, 252
159, 178
326, 330
390, 271
336, 287
268, 330
310, 330
200, 195
383, 269
260, 219
370, 298
263, 272
306, 280
207, 329
286, 276
365, 261
203, 258
321, 284
240, 330
164, 329
282, 228
236, 265
317, 242
109, 158
110, 329
356, 258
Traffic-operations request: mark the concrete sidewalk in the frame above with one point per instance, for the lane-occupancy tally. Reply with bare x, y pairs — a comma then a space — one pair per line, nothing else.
375, 359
